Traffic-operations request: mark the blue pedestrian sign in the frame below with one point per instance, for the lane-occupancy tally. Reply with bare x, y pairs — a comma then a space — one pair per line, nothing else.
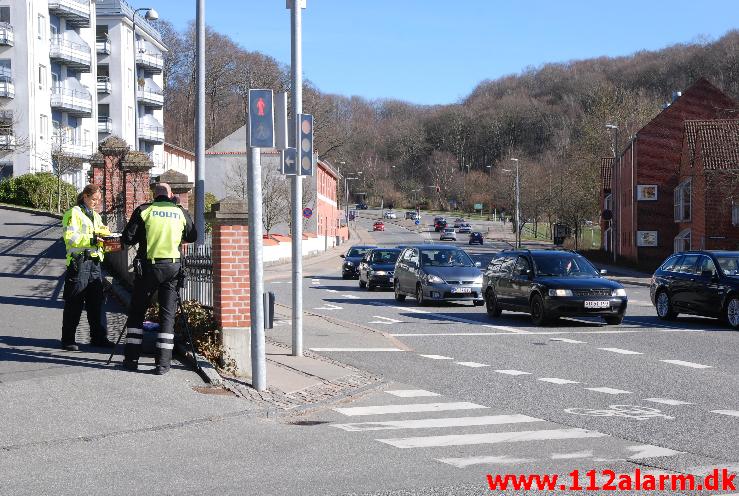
261, 119
305, 144
417, 222
307, 212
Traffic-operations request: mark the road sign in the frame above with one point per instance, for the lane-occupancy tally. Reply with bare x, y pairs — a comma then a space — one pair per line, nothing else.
418, 221
289, 161
261, 119
478, 206
305, 144
307, 213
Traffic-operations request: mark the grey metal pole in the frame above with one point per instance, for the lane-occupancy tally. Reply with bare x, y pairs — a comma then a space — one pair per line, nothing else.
518, 208
135, 86
256, 287
616, 188
200, 127
297, 184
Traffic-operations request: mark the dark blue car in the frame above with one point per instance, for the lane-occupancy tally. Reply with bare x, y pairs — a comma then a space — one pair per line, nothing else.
377, 268
476, 237
350, 267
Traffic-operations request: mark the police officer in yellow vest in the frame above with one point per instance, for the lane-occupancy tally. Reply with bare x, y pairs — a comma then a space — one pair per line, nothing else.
83, 283
159, 228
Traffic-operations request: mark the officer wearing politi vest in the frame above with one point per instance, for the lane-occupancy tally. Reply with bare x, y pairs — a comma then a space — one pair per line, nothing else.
158, 228
83, 283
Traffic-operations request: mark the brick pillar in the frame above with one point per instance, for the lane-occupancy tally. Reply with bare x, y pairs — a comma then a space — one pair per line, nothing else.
231, 279
179, 184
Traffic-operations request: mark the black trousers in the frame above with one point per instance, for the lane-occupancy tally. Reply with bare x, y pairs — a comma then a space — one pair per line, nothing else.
83, 287
162, 278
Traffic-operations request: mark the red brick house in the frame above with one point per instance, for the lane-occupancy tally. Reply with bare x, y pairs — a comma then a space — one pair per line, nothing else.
648, 173
606, 203
706, 199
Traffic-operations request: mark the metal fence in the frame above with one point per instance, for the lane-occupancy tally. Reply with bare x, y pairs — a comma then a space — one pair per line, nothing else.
199, 272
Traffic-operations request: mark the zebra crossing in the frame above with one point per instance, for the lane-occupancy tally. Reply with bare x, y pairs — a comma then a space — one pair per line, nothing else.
474, 435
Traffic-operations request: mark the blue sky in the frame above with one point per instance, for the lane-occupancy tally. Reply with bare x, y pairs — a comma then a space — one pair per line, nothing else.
436, 52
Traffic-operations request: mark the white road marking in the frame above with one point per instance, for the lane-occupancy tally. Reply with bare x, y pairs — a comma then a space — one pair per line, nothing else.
620, 351
484, 460
513, 372
410, 310
386, 320
355, 349
490, 438
437, 357
731, 413
332, 290
566, 340
473, 365
572, 456
649, 451
409, 408
687, 364
555, 380
435, 423
608, 390
548, 333
667, 401
315, 281
351, 297
411, 393
507, 328
328, 306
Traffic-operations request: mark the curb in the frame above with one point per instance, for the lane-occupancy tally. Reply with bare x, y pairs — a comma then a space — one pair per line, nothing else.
29, 210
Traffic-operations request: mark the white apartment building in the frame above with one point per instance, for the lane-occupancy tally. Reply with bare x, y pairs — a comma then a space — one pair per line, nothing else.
71, 74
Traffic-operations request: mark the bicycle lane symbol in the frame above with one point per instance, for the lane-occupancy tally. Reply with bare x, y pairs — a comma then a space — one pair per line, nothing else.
624, 411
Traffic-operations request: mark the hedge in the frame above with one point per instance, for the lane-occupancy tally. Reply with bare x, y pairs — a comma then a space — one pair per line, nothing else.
37, 190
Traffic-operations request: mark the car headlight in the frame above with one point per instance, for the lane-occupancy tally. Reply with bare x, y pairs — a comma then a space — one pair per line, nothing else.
432, 279
478, 280
618, 292
379, 273
560, 292
349, 264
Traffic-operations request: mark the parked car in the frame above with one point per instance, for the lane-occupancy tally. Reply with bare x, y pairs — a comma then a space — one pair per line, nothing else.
377, 267
439, 225
412, 215
464, 228
437, 273
698, 283
378, 226
550, 284
362, 206
476, 237
350, 267
448, 234
390, 215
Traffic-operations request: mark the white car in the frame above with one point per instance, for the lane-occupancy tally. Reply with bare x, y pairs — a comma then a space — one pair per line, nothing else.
390, 215
448, 233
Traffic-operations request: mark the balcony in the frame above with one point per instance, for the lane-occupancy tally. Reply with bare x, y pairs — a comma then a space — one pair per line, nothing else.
7, 138
149, 58
105, 124
75, 54
150, 96
76, 12
102, 45
73, 148
7, 38
148, 131
76, 102
7, 89
104, 85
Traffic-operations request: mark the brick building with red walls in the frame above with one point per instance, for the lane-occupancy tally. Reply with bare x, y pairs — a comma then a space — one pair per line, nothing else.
648, 173
706, 200
606, 170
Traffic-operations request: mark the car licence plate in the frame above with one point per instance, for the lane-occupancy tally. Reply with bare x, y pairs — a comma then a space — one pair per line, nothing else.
598, 304
461, 290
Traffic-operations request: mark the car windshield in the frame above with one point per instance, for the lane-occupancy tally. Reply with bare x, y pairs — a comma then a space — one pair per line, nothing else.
729, 264
385, 256
563, 265
357, 252
445, 258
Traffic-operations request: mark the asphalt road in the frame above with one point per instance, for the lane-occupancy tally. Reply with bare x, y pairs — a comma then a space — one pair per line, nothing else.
520, 398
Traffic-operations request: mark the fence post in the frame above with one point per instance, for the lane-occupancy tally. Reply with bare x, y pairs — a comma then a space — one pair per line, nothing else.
230, 253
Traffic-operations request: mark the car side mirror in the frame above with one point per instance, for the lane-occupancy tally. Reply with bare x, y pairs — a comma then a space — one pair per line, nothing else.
342, 255
603, 272
478, 264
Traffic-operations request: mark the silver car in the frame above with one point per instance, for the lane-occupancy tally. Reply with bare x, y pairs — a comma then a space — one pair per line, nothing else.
448, 234
437, 273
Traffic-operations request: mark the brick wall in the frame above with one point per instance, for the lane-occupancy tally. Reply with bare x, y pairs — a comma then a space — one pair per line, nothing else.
231, 276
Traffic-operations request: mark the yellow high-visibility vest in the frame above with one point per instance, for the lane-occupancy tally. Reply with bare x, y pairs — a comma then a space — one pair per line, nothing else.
165, 222
78, 231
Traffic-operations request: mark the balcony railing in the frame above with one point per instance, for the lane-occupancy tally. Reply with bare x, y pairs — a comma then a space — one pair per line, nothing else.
7, 37
7, 89
73, 147
72, 53
105, 124
7, 137
104, 85
151, 132
76, 102
6, 116
149, 58
150, 97
102, 45
76, 12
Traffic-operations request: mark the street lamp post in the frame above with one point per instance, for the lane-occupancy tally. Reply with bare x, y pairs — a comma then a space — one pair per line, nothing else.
614, 189
151, 15
518, 206
346, 196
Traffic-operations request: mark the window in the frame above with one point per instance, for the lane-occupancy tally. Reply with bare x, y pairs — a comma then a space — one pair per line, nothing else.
130, 77
6, 171
5, 14
705, 264
682, 196
43, 126
682, 241
522, 266
735, 214
42, 77
688, 264
671, 262
41, 26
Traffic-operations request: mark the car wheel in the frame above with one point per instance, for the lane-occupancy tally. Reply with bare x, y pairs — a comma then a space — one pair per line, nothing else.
362, 284
419, 296
538, 314
732, 312
370, 286
665, 310
398, 296
491, 304
613, 319
344, 276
